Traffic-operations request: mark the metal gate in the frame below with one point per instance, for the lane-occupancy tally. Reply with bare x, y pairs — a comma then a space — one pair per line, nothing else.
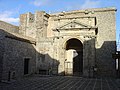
68, 68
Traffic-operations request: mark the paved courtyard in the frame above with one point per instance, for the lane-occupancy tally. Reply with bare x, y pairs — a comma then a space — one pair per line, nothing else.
62, 83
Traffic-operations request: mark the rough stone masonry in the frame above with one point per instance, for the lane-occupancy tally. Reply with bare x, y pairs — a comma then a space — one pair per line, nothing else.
77, 43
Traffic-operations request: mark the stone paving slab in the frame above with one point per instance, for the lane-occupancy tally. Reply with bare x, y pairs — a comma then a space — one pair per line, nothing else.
62, 83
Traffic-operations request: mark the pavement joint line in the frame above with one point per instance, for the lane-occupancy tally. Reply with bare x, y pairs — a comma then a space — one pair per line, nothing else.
60, 81
39, 84
94, 84
81, 84
62, 84
101, 83
87, 84
54, 84
108, 84
113, 84
69, 84
47, 84
75, 84
30, 84
24, 86
35, 83
15, 84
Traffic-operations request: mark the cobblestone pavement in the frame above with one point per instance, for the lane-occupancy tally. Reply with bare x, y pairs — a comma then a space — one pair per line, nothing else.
62, 83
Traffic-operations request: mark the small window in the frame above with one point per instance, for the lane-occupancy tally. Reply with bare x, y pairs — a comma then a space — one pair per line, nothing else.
31, 20
26, 65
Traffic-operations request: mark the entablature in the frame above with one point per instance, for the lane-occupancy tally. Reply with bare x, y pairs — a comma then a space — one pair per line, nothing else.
74, 26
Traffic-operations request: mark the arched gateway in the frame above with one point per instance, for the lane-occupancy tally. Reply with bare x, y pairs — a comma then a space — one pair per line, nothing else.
74, 57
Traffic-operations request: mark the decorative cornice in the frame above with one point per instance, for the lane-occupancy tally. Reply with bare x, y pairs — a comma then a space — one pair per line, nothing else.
79, 27
88, 28
61, 18
84, 11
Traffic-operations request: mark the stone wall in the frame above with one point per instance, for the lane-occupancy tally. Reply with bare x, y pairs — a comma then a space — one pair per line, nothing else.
14, 48
34, 25
106, 42
45, 58
5, 28
15, 51
2, 49
9, 27
95, 28
61, 24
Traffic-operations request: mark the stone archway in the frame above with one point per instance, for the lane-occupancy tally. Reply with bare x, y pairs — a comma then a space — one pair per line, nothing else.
74, 57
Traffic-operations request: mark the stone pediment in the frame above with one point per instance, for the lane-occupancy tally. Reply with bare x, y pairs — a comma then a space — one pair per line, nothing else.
73, 25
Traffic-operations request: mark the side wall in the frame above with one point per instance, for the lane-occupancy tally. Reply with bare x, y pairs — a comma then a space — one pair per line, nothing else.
9, 27
46, 60
13, 51
106, 42
4, 28
13, 57
12, 54
1, 52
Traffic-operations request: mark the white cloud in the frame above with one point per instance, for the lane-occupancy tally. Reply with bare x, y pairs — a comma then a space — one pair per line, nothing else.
90, 4
39, 2
85, 5
7, 16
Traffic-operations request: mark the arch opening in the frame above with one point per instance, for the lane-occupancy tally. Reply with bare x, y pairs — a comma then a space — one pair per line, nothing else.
74, 57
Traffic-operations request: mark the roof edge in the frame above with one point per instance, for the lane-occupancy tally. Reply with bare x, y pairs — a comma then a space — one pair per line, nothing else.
84, 10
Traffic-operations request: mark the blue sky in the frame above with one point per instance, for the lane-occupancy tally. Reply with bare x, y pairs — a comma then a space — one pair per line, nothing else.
11, 9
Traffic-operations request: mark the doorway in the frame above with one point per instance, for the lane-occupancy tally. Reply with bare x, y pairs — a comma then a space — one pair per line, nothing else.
74, 57
26, 65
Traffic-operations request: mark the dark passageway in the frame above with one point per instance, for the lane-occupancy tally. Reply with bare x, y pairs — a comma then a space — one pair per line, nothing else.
77, 59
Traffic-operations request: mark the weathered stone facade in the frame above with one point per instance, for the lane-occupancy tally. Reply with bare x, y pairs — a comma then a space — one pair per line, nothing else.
14, 49
72, 43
